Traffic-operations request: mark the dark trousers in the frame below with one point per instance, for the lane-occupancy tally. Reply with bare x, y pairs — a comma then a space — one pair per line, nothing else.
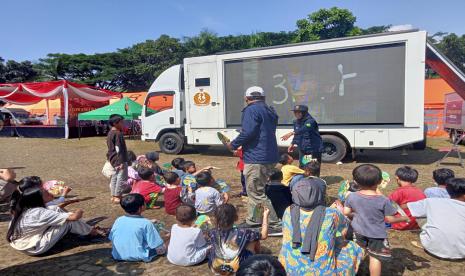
244, 187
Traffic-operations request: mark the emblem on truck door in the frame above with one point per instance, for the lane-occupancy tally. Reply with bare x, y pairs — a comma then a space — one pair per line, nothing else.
202, 98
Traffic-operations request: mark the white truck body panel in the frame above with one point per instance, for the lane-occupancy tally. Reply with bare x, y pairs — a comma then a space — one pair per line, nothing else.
202, 122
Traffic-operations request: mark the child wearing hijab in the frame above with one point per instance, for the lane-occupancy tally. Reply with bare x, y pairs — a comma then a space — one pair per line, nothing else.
313, 236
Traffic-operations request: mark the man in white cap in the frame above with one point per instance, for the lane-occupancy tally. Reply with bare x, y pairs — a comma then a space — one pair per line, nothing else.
260, 151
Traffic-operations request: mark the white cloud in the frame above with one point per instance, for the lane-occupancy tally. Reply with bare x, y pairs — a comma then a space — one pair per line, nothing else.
404, 27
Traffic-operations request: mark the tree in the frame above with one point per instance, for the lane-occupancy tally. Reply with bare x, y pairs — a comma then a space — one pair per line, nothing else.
326, 24
453, 46
375, 29
13, 71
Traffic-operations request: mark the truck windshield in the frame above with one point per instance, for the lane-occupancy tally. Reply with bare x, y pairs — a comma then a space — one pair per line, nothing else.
158, 102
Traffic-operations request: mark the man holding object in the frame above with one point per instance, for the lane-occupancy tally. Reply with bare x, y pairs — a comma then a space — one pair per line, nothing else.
260, 152
306, 135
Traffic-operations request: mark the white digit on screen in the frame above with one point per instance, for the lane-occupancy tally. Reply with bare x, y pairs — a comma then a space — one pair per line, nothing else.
281, 86
340, 68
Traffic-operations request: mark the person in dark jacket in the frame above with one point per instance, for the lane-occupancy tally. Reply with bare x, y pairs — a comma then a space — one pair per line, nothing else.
117, 156
306, 135
260, 152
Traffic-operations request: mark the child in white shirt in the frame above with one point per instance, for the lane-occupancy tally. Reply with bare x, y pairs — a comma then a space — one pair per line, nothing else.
187, 245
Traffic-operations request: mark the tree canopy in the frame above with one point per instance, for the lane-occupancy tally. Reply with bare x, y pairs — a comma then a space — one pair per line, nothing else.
136, 67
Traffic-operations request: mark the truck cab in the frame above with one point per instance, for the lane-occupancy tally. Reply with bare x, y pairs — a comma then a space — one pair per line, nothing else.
163, 113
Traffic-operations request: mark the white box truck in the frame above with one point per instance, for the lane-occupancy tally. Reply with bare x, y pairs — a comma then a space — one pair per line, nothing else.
366, 92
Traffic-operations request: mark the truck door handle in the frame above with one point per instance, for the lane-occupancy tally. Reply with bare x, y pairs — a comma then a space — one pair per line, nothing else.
172, 120
215, 103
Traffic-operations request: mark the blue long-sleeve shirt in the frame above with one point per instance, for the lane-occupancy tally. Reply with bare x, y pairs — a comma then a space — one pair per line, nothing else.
258, 134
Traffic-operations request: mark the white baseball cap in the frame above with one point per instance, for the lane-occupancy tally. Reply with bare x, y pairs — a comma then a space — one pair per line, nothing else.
254, 89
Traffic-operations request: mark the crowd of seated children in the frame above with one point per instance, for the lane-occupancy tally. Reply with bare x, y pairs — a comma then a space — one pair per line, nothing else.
291, 173
405, 193
133, 237
440, 177
147, 187
279, 194
207, 198
172, 194
231, 246
187, 243
443, 233
369, 210
177, 164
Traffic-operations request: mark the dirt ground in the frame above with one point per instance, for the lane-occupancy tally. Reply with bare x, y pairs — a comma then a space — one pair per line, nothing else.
79, 162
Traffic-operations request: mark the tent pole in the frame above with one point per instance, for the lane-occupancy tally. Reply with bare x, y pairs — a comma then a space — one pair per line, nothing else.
66, 103
79, 129
47, 111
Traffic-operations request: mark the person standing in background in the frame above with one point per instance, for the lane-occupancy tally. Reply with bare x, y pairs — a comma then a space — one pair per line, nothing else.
117, 155
306, 135
260, 151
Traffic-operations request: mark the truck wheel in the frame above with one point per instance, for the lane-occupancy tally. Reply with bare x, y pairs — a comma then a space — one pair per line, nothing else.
422, 144
171, 143
334, 149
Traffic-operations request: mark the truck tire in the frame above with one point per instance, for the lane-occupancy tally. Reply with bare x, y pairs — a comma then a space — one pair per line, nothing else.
171, 143
422, 144
334, 149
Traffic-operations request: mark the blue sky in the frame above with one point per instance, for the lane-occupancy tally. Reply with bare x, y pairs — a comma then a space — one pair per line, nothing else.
33, 28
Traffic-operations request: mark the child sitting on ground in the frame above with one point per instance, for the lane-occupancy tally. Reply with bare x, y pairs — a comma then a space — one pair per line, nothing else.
207, 198
187, 244
152, 158
279, 195
443, 235
147, 187
440, 177
188, 183
172, 195
405, 193
291, 173
177, 164
311, 174
230, 245
369, 210
133, 237
133, 176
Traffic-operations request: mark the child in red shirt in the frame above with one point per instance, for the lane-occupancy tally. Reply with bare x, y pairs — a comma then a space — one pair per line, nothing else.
406, 193
172, 193
240, 167
147, 187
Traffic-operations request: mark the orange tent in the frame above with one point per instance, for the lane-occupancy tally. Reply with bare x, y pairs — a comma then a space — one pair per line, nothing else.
435, 89
138, 97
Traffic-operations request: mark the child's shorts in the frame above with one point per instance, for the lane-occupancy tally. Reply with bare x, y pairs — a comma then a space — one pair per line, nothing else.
377, 248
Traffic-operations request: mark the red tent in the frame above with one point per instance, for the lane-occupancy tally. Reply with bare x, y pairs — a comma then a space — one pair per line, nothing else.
34, 92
